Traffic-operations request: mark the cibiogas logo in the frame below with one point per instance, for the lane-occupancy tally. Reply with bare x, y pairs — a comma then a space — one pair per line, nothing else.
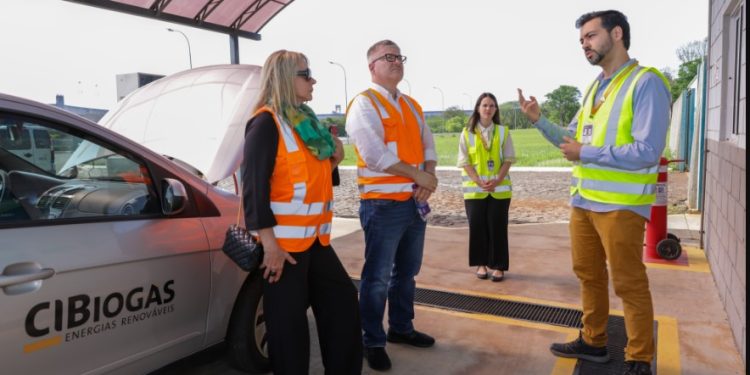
82, 315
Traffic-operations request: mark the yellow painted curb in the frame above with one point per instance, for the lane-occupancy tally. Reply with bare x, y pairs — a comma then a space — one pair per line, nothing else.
668, 347
696, 262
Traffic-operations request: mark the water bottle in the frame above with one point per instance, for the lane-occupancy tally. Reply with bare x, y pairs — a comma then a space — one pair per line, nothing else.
423, 208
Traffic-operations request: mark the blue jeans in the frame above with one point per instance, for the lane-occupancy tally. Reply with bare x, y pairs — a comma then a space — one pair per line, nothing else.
394, 240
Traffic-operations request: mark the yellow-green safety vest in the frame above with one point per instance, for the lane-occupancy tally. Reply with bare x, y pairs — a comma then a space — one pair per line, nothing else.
611, 125
479, 157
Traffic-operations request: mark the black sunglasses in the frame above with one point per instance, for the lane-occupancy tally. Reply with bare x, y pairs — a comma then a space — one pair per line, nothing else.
306, 74
390, 57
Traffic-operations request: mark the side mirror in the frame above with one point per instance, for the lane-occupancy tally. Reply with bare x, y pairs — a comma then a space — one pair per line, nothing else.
174, 197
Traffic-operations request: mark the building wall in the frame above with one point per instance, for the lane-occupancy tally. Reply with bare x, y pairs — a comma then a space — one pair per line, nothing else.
725, 208
93, 114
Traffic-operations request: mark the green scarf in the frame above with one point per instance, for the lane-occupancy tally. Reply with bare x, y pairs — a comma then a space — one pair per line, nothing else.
316, 137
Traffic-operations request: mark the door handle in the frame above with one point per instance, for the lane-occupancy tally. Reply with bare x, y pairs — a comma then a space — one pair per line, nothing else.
44, 273
24, 277
28, 154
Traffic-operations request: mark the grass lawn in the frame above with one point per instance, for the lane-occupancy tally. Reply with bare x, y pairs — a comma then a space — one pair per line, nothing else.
532, 150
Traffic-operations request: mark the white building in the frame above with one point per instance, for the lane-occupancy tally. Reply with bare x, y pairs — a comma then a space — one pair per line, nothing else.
725, 204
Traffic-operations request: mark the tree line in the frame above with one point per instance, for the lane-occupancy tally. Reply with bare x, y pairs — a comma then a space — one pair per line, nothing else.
690, 56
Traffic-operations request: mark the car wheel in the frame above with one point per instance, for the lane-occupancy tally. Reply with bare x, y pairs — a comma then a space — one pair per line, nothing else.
248, 348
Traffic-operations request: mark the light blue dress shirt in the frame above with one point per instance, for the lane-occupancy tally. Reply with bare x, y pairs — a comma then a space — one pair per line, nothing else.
651, 112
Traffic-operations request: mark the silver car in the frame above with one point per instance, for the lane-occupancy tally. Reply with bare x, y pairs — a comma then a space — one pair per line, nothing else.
112, 261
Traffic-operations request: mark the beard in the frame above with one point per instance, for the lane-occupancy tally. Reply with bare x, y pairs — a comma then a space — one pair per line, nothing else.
598, 56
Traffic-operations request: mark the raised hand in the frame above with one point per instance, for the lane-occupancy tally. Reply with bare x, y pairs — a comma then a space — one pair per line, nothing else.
530, 107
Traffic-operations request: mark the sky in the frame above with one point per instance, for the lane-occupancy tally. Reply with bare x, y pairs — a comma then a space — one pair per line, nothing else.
456, 49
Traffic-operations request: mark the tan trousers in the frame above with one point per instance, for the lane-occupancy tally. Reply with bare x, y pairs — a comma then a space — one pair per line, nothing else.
615, 237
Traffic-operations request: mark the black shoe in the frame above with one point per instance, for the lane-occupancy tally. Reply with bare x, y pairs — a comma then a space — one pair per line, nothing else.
496, 278
637, 368
579, 349
415, 338
378, 359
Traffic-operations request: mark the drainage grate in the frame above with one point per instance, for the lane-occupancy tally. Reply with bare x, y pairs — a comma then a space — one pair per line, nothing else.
616, 342
498, 307
533, 312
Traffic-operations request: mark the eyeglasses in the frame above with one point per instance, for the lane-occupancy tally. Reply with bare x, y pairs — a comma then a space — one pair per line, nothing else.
306, 74
390, 57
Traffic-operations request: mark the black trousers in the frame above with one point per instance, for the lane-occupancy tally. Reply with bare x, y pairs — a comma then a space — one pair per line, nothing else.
318, 280
488, 232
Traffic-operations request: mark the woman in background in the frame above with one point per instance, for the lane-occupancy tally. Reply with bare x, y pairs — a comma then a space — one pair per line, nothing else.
485, 153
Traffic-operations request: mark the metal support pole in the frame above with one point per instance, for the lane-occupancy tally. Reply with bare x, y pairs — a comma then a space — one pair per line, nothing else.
442, 103
346, 94
234, 49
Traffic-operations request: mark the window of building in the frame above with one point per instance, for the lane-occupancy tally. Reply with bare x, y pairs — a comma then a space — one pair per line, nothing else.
735, 86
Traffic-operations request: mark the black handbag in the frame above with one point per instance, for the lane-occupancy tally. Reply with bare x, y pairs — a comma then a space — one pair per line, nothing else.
242, 248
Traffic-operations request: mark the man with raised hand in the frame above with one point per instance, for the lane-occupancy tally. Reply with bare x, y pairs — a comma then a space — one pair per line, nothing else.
615, 142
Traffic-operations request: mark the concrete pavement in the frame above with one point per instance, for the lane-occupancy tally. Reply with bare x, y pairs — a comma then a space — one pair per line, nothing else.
694, 336
693, 332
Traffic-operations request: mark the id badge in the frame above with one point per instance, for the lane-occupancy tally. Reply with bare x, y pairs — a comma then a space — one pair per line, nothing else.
491, 165
587, 135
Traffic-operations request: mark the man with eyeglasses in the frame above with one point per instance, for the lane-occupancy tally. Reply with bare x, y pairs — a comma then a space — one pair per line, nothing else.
615, 141
396, 162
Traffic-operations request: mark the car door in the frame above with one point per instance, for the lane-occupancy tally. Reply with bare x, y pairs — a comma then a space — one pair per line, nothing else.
94, 277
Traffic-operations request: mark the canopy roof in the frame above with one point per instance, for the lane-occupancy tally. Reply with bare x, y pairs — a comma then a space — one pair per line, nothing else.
243, 18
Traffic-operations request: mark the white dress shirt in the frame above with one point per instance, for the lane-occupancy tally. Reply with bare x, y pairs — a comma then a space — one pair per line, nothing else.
509, 153
364, 126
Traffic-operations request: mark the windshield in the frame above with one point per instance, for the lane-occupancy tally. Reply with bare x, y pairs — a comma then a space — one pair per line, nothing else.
40, 149
91, 161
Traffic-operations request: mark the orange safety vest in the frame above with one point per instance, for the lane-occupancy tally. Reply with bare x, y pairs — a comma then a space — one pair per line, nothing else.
301, 192
403, 137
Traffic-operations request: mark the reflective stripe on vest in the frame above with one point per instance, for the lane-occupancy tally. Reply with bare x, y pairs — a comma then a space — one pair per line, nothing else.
612, 126
403, 137
386, 188
478, 157
303, 211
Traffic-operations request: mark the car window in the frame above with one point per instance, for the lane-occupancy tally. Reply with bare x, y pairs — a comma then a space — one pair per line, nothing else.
230, 183
13, 137
41, 138
82, 178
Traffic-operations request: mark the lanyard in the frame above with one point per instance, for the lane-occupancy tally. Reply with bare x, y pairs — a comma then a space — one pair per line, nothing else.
484, 143
610, 87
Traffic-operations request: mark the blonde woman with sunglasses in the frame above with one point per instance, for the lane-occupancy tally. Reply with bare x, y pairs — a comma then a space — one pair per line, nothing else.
288, 200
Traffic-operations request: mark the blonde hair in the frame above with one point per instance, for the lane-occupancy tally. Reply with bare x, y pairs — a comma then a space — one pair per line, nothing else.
277, 80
